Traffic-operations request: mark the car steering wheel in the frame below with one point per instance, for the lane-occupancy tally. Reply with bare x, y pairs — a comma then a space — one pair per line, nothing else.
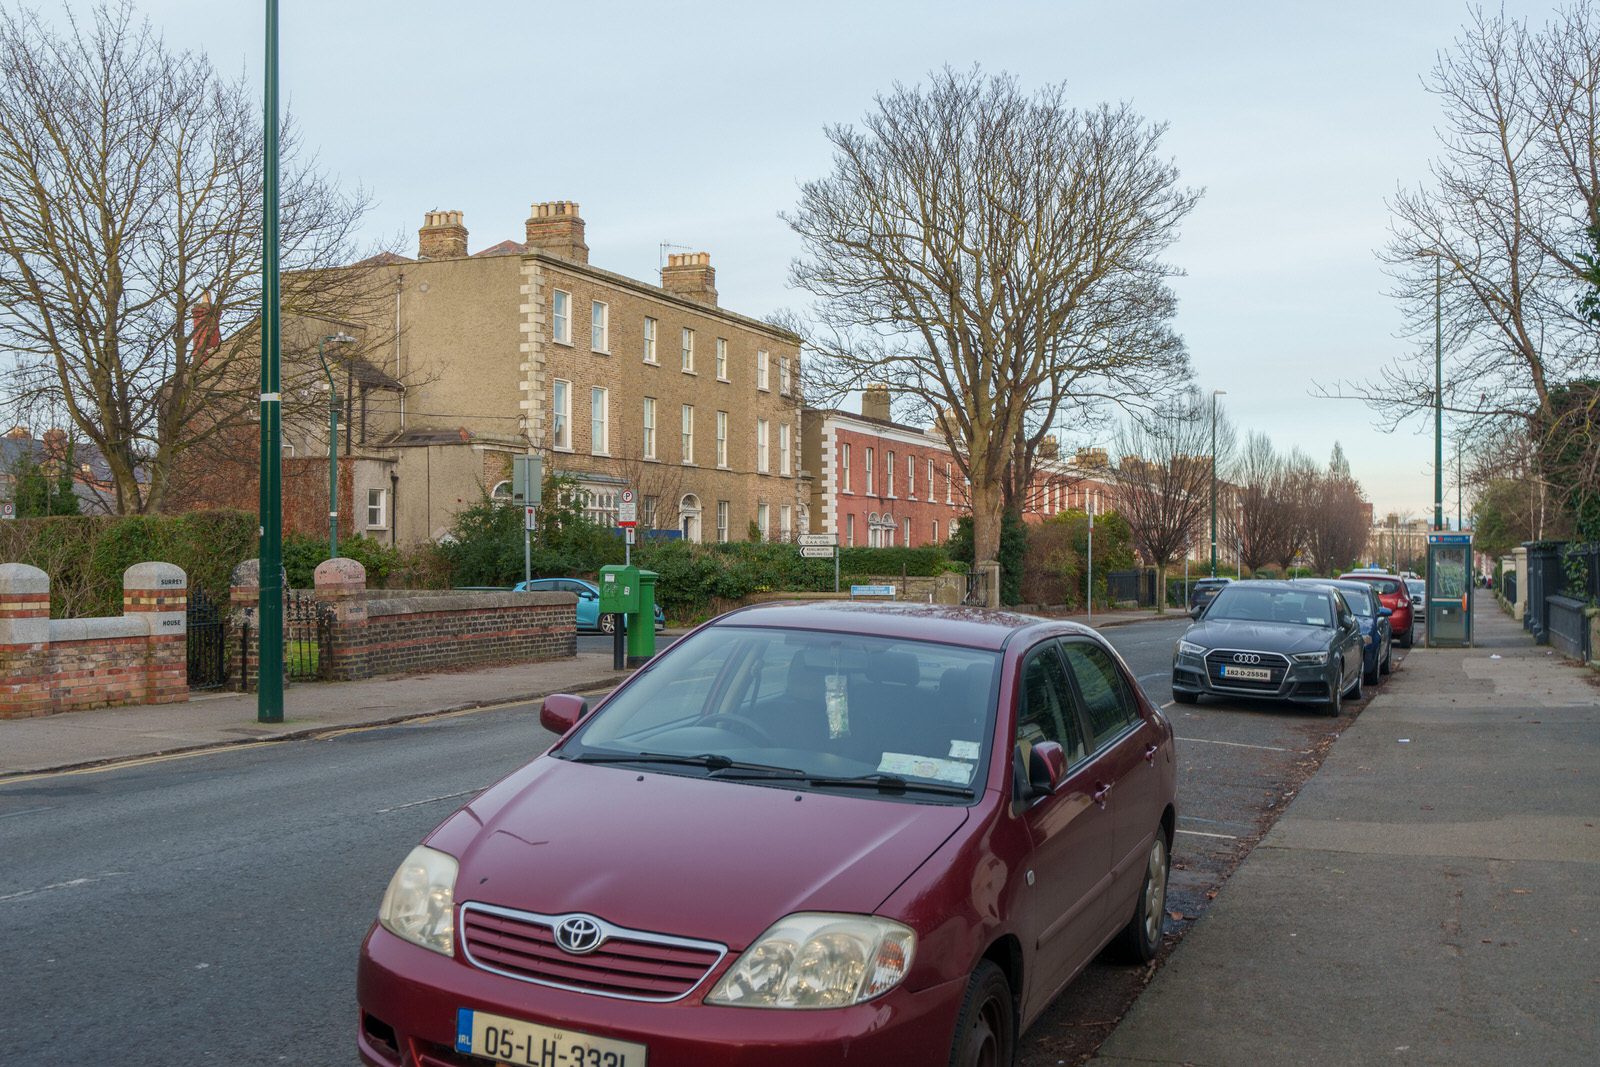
749, 727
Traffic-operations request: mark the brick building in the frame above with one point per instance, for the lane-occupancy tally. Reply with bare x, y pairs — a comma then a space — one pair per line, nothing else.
878, 482
528, 347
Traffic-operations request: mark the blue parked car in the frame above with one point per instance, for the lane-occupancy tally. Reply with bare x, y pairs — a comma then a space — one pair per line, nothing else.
1377, 640
589, 617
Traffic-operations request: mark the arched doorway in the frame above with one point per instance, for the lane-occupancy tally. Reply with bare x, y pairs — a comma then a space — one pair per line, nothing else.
689, 517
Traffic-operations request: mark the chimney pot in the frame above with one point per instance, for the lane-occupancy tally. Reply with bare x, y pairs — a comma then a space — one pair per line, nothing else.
556, 227
443, 236
691, 275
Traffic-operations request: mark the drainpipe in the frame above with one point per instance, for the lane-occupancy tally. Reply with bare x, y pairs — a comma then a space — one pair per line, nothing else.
394, 507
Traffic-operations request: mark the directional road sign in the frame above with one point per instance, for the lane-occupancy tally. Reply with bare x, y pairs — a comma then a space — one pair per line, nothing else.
814, 540
816, 551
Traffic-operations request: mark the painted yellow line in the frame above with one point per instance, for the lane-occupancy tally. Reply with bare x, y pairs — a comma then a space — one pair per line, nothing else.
140, 761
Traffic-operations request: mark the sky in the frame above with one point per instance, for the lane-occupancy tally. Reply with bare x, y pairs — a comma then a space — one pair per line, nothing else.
692, 124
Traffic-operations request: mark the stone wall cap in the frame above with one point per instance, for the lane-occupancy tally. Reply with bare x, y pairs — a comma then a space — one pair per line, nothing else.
246, 574
468, 602
339, 571
156, 576
21, 579
98, 629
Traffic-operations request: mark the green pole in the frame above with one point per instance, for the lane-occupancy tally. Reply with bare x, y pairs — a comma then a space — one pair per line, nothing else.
269, 690
1438, 396
1213, 483
333, 450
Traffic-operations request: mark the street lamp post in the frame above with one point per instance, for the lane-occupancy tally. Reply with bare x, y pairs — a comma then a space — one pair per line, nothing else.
340, 338
1438, 393
269, 685
1214, 394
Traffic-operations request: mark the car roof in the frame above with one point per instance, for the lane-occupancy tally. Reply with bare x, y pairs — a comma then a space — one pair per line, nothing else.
948, 624
1212, 581
1351, 584
1361, 576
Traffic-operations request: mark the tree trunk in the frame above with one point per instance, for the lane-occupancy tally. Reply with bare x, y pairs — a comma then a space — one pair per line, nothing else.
988, 503
1161, 588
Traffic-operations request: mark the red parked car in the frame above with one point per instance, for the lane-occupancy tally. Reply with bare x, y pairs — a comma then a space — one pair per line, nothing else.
804, 835
1392, 594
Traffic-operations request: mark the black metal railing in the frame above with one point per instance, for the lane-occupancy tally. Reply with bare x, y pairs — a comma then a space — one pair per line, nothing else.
207, 629
307, 634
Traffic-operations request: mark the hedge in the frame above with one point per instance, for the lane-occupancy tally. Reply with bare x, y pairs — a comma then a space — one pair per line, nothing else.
85, 555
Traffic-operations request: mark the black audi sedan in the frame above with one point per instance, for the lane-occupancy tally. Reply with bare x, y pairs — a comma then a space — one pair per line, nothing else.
1272, 640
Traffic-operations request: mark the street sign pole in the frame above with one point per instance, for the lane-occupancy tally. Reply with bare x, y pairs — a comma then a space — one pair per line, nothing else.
1090, 596
529, 521
269, 685
835, 568
627, 518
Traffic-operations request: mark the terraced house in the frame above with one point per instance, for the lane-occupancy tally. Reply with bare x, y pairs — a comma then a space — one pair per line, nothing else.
527, 346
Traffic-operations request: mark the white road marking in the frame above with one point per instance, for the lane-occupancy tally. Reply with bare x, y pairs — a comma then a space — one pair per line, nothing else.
25, 811
1199, 833
1232, 744
1168, 704
72, 884
432, 800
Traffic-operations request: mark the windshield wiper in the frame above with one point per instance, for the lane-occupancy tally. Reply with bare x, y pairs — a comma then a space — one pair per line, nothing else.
714, 762
889, 783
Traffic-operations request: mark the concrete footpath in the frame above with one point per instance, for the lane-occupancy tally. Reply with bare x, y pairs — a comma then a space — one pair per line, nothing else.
1432, 895
84, 738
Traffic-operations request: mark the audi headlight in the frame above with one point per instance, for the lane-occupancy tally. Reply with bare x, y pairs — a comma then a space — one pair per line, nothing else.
1189, 648
818, 960
419, 903
1311, 658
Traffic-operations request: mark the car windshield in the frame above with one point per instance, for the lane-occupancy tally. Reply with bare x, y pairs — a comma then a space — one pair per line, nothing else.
1384, 586
806, 709
1415, 585
1250, 603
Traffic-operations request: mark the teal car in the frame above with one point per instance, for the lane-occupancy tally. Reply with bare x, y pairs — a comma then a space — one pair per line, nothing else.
588, 594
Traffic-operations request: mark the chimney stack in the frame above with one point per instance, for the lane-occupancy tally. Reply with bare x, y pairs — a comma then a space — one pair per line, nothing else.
1049, 448
875, 401
443, 236
691, 275
555, 227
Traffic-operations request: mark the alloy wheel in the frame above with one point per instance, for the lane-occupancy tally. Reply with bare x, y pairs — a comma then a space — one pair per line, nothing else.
1155, 890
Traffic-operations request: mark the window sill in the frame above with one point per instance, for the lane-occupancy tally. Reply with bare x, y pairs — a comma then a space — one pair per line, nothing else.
600, 351
561, 448
559, 341
724, 381
692, 373
652, 363
601, 455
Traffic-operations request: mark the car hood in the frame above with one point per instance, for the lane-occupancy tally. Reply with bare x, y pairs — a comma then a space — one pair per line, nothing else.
1258, 636
687, 856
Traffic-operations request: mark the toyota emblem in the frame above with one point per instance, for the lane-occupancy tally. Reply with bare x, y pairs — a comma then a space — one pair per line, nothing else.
578, 934
1246, 657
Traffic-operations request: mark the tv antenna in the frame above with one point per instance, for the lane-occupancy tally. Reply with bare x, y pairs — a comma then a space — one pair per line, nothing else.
666, 245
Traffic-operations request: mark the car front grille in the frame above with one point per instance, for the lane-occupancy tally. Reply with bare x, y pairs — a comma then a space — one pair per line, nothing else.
1224, 657
628, 964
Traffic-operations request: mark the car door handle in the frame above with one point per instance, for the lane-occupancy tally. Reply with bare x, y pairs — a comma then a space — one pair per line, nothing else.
1150, 753
1100, 794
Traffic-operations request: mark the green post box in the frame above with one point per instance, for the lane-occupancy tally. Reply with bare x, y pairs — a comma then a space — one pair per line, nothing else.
642, 623
619, 590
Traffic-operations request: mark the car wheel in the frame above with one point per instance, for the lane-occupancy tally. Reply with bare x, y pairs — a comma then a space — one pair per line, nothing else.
1335, 703
608, 623
1141, 938
986, 1029
1355, 686
1410, 636
1388, 658
1183, 696
1371, 677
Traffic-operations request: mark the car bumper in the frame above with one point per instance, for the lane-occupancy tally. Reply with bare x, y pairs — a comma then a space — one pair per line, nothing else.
1299, 685
414, 995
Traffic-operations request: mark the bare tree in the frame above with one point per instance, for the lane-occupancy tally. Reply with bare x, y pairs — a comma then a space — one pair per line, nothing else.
996, 259
1338, 528
131, 240
1164, 483
1294, 489
1497, 251
1262, 513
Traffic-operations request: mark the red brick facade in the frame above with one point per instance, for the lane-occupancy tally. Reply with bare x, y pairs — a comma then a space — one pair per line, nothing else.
51, 666
880, 483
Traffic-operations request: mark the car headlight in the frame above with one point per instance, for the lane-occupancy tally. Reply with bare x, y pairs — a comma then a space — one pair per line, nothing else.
1189, 648
1311, 657
419, 903
818, 960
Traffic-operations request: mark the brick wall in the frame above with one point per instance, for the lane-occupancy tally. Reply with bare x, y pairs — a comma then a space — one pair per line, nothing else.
389, 632
55, 665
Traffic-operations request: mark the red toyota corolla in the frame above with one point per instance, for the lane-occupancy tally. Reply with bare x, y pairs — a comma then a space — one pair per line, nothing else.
804, 835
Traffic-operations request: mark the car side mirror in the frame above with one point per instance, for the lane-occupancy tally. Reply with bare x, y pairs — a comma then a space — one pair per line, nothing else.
1047, 765
1197, 611
586, 595
560, 712
1384, 613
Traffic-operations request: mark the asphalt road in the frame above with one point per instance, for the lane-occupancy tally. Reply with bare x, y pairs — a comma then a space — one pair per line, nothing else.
209, 909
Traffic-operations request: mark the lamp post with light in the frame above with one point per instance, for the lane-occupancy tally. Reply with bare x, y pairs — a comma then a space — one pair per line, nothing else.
269, 685
340, 338
1214, 394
